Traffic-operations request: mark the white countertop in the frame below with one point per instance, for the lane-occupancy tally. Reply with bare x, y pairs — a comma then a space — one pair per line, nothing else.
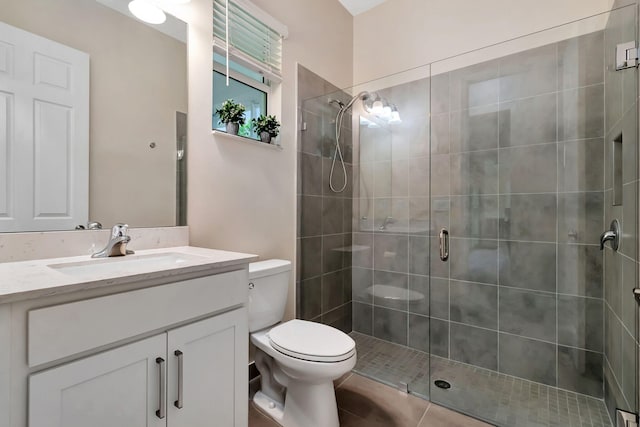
45, 277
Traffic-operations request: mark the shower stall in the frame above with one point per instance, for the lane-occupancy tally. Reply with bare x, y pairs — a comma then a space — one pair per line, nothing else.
465, 253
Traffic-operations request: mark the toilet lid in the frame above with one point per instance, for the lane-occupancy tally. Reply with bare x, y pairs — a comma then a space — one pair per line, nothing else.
312, 341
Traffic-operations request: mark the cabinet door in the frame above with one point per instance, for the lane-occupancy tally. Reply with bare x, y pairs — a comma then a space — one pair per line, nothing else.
214, 356
120, 387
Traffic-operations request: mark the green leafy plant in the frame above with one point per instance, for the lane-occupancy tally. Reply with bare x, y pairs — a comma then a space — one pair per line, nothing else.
267, 124
245, 130
231, 112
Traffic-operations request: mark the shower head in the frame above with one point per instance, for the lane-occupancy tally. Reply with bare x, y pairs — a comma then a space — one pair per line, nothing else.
364, 95
336, 101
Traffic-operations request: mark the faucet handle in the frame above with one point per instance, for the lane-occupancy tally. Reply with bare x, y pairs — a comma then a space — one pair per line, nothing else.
119, 230
94, 225
612, 235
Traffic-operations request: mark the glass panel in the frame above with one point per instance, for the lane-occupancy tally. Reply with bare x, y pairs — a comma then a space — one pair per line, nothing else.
522, 135
392, 216
252, 74
384, 139
254, 100
621, 203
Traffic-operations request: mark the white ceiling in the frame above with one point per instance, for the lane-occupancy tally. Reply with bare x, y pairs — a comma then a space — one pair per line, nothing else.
356, 7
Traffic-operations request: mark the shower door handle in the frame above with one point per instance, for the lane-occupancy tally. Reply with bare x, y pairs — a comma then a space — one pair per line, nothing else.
444, 244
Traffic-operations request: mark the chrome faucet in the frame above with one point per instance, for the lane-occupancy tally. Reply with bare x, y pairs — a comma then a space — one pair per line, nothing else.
612, 235
117, 245
388, 220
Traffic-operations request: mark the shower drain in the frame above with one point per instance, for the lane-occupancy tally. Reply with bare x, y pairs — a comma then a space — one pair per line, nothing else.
442, 384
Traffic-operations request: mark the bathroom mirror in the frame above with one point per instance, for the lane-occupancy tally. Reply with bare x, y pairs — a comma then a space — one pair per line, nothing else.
111, 148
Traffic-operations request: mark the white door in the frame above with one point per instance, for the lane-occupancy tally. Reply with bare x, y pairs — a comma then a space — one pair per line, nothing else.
44, 133
120, 387
214, 356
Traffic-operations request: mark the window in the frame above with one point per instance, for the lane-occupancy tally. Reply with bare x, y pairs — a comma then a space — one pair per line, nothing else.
251, 93
254, 54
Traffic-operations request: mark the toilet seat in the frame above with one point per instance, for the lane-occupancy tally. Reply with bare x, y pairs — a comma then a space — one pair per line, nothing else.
311, 341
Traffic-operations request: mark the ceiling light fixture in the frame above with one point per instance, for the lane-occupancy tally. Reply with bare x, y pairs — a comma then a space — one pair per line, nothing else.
395, 116
147, 11
377, 107
386, 111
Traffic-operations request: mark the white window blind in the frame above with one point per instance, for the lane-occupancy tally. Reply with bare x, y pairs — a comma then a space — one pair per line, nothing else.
255, 38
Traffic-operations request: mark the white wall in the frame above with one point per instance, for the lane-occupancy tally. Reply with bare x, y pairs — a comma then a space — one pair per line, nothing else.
403, 34
242, 197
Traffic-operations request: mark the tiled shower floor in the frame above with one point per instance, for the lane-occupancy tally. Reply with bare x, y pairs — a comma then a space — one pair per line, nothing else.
495, 397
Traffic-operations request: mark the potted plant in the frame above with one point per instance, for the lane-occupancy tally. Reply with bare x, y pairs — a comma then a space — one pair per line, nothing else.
266, 126
231, 115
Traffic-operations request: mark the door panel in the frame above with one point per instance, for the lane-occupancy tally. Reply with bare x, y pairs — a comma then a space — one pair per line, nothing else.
116, 388
6, 141
214, 360
52, 155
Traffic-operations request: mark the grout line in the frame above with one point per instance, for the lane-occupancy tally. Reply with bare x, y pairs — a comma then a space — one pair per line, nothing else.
557, 349
341, 383
446, 196
498, 232
351, 413
616, 318
529, 97
617, 382
424, 415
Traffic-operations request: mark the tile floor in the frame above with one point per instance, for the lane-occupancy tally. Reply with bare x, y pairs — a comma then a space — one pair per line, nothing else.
507, 400
366, 403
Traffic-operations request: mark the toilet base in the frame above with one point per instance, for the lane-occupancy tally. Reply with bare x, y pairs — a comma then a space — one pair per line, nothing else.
311, 405
269, 407
306, 405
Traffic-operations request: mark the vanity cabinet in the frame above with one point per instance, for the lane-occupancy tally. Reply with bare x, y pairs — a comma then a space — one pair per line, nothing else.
163, 349
185, 377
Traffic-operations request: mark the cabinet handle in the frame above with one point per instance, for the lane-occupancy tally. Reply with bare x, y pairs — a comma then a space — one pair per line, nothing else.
179, 355
162, 398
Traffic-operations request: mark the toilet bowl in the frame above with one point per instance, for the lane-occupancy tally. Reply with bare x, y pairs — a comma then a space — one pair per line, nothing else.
298, 360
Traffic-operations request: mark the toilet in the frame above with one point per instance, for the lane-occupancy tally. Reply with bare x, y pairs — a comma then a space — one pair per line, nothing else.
297, 360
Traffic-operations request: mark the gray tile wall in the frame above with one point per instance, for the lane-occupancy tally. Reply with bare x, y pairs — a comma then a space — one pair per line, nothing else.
621, 268
323, 274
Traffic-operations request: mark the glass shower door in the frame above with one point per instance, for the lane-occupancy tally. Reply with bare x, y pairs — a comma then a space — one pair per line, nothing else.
533, 154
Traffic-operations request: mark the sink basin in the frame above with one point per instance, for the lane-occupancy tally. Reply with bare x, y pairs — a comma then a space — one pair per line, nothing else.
130, 264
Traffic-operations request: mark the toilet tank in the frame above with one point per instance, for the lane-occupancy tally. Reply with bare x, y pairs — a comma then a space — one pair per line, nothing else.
268, 289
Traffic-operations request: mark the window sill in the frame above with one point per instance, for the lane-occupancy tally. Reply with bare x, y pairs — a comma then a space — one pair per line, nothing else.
238, 138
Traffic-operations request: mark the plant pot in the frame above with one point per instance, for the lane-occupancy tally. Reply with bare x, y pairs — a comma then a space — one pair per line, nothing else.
265, 137
232, 128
